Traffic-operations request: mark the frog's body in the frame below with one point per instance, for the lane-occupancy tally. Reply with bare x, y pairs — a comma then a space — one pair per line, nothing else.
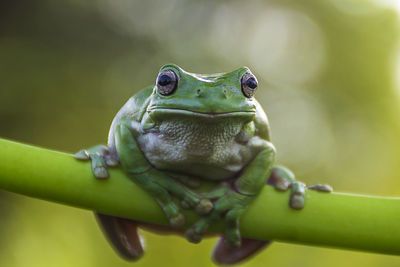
203, 127
214, 147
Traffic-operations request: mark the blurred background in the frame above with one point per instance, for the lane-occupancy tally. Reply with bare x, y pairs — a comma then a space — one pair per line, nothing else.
329, 75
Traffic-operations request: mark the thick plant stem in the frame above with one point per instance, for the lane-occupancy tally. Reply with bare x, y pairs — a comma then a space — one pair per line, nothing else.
336, 220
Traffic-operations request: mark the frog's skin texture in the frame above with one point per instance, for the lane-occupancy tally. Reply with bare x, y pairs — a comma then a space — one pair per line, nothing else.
185, 130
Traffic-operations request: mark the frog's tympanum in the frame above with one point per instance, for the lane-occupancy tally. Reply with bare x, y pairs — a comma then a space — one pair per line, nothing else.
183, 131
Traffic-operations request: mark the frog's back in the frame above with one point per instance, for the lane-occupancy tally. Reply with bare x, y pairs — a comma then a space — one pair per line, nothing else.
133, 109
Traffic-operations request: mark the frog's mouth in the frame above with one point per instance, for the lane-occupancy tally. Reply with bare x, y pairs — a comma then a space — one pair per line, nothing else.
159, 113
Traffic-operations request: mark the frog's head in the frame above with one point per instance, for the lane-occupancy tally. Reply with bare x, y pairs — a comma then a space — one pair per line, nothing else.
214, 96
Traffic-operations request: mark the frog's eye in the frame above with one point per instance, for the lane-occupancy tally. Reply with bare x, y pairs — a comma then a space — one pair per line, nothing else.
167, 81
249, 84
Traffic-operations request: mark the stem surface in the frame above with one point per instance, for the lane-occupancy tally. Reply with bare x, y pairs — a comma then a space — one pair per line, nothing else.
335, 220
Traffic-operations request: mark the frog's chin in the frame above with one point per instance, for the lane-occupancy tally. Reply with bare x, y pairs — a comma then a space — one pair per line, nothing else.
162, 113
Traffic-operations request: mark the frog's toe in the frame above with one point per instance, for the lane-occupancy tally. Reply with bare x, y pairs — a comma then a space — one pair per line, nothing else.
321, 187
280, 178
190, 201
278, 182
297, 201
193, 236
233, 238
232, 234
82, 155
281, 185
298, 195
204, 206
100, 172
177, 221
196, 232
99, 167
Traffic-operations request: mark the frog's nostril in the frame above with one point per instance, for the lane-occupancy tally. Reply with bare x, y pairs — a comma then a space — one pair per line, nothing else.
198, 92
224, 93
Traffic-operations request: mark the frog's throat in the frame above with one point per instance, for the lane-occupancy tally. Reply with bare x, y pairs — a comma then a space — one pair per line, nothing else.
160, 113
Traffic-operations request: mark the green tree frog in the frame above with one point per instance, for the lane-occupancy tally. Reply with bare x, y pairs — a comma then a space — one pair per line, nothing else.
183, 131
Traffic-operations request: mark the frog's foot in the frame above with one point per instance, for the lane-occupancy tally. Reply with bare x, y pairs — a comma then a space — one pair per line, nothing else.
229, 207
321, 187
123, 236
101, 158
283, 179
177, 221
175, 217
223, 254
196, 232
171, 210
202, 207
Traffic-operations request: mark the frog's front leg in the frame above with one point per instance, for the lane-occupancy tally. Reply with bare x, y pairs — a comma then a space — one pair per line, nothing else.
235, 200
157, 183
283, 179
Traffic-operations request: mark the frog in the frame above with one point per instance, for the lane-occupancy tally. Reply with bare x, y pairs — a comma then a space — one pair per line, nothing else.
184, 131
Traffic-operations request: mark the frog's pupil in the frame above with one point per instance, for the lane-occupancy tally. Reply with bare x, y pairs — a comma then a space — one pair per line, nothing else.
164, 80
251, 83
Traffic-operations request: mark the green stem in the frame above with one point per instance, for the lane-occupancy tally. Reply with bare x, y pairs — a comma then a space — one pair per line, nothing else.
335, 220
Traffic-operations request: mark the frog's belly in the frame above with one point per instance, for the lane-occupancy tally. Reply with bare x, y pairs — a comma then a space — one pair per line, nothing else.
206, 153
